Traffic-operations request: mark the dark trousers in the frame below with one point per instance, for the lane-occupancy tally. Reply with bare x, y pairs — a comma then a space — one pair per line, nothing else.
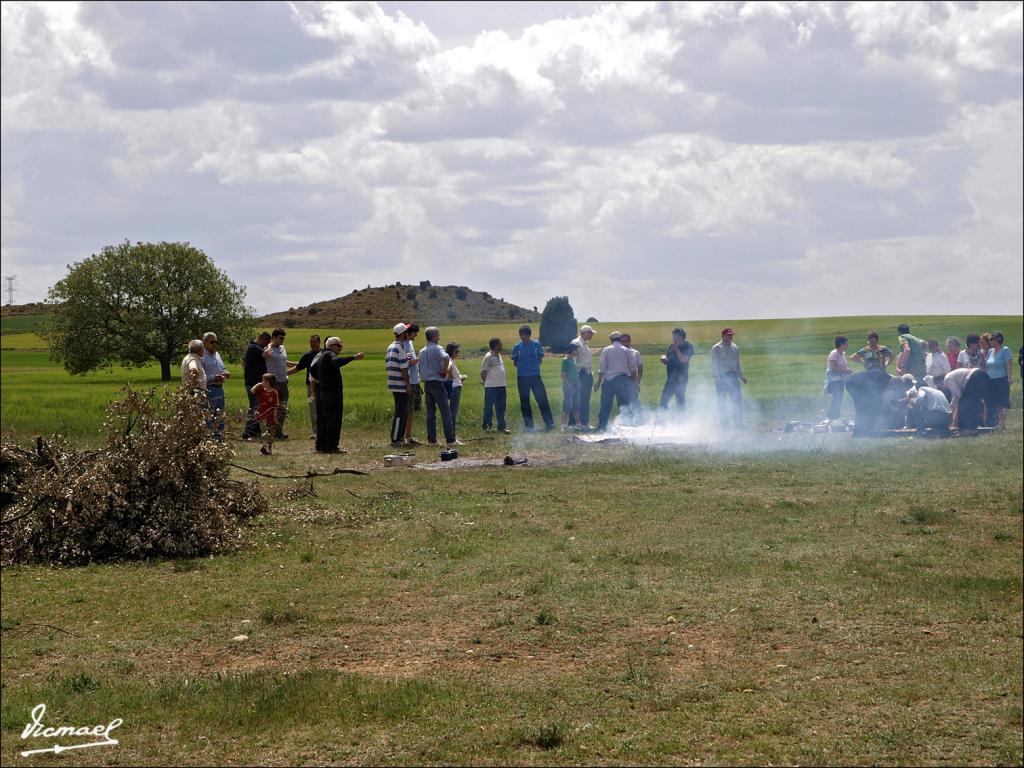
534, 384
621, 389
437, 400
969, 408
867, 388
730, 399
936, 420
252, 427
675, 387
586, 390
329, 409
495, 399
401, 417
835, 389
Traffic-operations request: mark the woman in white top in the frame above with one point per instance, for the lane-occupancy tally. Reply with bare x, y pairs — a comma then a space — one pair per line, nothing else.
836, 373
453, 385
936, 362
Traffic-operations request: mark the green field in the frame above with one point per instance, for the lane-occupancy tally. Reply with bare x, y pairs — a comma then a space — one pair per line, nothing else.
784, 359
21, 324
788, 600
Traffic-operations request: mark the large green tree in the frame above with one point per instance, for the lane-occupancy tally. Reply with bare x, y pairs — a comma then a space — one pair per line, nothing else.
557, 324
135, 302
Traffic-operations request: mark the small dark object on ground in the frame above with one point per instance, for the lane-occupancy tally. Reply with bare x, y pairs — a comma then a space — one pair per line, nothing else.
515, 458
449, 454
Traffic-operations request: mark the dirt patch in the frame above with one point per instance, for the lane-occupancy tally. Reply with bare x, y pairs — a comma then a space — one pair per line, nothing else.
512, 461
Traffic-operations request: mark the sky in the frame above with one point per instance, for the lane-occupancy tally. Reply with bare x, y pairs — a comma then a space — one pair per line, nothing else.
651, 161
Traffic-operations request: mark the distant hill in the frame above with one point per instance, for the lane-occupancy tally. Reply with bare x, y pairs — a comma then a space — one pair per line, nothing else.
424, 304
18, 310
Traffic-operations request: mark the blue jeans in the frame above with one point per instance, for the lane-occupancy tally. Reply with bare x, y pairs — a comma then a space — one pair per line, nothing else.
620, 388
454, 398
675, 387
437, 400
252, 427
494, 400
730, 399
586, 390
570, 399
215, 399
534, 384
836, 389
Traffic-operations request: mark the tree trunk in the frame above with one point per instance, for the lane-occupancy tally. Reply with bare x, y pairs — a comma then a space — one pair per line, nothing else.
165, 369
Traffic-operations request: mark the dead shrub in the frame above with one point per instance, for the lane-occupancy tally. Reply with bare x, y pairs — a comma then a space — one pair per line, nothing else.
159, 488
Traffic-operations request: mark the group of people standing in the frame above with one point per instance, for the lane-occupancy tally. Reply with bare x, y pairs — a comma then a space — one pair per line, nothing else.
267, 369
431, 375
960, 387
619, 376
966, 385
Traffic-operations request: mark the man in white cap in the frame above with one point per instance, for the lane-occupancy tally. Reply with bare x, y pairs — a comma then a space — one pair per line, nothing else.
585, 362
615, 374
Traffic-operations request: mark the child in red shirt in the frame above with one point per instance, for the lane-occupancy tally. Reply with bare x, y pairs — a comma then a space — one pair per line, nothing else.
267, 405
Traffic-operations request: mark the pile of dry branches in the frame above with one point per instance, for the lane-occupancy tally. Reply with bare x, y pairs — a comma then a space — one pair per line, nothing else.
159, 488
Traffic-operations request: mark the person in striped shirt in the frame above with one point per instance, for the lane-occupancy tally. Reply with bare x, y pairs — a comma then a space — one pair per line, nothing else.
396, 361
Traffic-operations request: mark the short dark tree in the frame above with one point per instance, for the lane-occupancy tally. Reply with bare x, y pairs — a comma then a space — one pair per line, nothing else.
424, 284
433, 293
593, 320
411, 294
557, 324
135, 302
461, 293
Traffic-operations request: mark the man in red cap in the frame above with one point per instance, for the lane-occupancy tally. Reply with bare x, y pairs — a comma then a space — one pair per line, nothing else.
728, 373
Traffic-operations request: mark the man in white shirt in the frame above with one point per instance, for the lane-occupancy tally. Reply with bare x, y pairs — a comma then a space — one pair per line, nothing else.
638, 361
585, 362
929, 408
193, 375
278, 364
966, 389
615, 375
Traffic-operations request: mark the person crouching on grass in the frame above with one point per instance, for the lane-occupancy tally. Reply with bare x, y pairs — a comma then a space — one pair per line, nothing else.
571, 386
268, 402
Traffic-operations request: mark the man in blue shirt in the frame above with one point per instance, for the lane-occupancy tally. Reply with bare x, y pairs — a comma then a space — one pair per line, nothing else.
527, 356
216, 375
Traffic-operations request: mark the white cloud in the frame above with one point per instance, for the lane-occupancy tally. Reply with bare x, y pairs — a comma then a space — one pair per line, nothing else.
648, 159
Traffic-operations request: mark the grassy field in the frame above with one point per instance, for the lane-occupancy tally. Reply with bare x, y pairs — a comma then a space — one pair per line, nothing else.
785, 600
784, 359
20, 323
